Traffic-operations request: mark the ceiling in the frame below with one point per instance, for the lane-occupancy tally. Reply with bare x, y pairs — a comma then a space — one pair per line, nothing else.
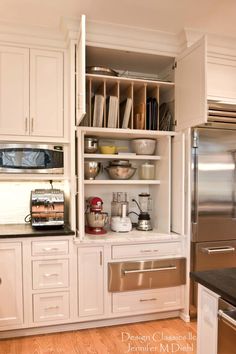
214, 16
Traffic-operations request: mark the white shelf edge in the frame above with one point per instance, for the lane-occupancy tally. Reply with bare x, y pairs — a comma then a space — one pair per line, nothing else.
129, 80
123, 133
116, 181
121, 157
30, 177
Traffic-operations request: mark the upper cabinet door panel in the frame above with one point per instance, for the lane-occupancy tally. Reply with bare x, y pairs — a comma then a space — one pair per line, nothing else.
221, 78
178, 184
46, 93
80, 73
190, 86
14, 90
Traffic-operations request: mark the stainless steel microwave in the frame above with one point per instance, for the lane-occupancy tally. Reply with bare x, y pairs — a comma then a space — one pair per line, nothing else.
31, 158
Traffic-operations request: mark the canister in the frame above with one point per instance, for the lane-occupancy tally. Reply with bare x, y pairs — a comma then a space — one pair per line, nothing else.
147, 171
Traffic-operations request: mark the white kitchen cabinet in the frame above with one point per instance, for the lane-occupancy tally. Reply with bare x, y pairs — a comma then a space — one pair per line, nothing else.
46, 93
162, 214
190, 87
11, 286
207, 324
14, 90
51, 307
90, 281
31, 94
80, 73
144, 301
51, 286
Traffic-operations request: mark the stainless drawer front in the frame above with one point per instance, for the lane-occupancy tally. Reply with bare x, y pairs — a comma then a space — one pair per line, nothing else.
126, 276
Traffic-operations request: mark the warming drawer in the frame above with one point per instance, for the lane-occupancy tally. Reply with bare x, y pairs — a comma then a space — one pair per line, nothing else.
126, 276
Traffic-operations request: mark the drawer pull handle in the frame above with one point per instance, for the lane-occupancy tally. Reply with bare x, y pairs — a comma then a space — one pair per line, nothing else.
152, 299
48, 249
149, 270
50, 275
223, 249
148, 251
52, 308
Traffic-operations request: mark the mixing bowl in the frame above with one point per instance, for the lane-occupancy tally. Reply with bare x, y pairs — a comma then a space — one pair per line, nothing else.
120, 172
143, 146
91, 169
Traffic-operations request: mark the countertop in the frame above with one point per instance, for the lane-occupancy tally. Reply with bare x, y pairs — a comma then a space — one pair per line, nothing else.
220, 281
26, 230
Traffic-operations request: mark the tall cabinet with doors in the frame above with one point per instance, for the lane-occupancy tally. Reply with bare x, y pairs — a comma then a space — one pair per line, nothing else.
166, 188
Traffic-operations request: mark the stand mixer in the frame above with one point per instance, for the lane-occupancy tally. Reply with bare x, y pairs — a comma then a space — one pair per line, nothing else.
95, 218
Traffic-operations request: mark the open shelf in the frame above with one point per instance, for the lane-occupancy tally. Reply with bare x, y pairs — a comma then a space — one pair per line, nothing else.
118, 181
121, 157
124, 133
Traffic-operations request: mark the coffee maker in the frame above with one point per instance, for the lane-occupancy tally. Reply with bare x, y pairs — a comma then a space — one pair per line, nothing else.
95, 218
144, 205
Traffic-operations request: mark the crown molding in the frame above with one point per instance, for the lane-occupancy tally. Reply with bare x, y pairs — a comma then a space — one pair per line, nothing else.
31, 35
219, 45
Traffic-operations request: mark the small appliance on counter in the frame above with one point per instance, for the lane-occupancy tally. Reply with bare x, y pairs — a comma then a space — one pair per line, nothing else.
47, 207
144, 205
121, 223
118, 200
95, 218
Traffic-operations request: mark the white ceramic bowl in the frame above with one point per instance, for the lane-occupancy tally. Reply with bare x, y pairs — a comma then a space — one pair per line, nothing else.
143, 146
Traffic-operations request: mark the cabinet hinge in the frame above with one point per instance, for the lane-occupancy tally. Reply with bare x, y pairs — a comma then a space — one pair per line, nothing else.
175, 65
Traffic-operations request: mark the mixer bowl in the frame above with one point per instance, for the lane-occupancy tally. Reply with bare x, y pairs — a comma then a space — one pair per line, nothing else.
120, 172
91, 169
96, 219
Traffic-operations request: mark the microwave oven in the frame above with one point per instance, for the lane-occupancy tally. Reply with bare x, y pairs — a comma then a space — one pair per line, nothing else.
31, 158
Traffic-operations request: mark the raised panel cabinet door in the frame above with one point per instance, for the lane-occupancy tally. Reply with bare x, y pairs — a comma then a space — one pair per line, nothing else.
91, 281
221, 78
46, 93
14, 90
190, 87
80, 73
11, 305
178, 184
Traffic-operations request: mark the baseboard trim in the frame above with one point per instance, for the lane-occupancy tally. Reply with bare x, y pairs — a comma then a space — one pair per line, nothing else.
88, 324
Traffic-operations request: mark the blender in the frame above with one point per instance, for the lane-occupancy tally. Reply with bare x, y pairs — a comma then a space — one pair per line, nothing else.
96, 219
144, 205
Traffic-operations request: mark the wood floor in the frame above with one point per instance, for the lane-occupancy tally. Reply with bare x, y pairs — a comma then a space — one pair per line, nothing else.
163, 336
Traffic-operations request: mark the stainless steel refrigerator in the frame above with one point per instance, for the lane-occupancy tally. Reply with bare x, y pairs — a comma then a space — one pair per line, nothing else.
213, 242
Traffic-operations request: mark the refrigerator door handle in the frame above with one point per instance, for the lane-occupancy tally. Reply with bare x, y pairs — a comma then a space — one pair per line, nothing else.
223, 249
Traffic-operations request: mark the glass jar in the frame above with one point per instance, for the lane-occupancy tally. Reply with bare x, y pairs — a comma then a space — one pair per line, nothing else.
147, 171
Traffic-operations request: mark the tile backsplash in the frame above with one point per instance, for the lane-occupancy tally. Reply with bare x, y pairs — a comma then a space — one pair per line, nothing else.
15, 199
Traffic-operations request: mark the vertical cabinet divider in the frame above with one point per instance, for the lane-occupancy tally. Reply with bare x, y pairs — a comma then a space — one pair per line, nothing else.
139, 109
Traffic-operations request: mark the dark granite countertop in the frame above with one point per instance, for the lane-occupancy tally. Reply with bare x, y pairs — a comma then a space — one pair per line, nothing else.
26, 230
221, 281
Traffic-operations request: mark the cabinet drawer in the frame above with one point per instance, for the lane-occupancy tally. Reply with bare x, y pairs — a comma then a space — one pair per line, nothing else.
49, 247
147, 250
51, 306
50, 274
148, 274
148, 301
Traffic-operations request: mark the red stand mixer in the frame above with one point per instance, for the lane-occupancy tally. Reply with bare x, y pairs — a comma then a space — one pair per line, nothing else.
95, 218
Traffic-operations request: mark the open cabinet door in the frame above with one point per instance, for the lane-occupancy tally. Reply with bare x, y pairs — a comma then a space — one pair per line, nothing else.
178, 184
80, 73
190, 86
